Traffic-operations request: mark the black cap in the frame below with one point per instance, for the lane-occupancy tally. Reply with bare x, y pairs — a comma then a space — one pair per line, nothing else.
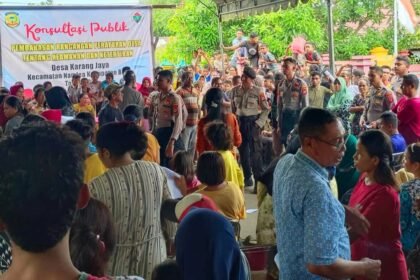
249, 72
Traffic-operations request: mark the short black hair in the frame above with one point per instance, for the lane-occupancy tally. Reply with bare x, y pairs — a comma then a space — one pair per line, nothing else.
75, 76
125, 68
290, 60
236, 79
133, 113
211, 169
4, 91
386, 67
219, 135
312, 122
47, 83
87, 118
109, 74
376, 69
167, 270
389, 117
120, 138
249, 72
84, 130
38, 204
403, 59
316, 73
129, 76
166, 74
413, 151
253, 35
411, 80
32, 118
14, 102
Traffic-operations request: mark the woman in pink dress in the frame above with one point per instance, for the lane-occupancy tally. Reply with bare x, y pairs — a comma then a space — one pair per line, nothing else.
376, 196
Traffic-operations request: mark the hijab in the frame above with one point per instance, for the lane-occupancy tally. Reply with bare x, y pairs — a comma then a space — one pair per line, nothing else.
341, 97
145, 90
206, 247
14, 89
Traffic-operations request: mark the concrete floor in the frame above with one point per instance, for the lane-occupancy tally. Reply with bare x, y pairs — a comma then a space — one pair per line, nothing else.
249, 225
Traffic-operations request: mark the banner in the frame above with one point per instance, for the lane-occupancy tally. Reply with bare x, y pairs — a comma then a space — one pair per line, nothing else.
53, 43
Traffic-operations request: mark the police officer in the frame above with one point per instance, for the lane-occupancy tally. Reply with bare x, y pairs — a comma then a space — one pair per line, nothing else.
380, 99
249, 103
292, 97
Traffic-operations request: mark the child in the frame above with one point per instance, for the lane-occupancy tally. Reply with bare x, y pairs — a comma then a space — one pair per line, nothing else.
182, 163
226, 195
84, 105
220, 138
410, 197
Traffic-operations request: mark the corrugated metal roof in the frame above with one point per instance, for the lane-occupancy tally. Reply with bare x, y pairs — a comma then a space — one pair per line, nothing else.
229, 9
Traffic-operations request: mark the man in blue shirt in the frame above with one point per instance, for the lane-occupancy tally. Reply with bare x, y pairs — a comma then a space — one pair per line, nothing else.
388, 123
312, 239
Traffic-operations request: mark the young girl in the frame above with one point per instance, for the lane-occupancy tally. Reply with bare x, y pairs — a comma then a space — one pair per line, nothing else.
182, 163
220, 138
228, 197
13, 111
410, 198
84, 105
376, 196
93, 240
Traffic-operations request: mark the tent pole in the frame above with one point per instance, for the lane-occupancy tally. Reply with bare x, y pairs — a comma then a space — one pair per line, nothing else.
331, 37
219, 23
395, 27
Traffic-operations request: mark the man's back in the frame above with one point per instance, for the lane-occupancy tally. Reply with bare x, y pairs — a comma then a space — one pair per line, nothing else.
131, 97
309, 220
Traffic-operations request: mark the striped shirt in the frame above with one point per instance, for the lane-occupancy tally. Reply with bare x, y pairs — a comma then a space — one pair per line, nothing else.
190, 98
134, 194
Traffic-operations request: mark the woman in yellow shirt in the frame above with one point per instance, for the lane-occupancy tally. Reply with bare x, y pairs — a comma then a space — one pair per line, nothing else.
226, 195
84, 105
220, 138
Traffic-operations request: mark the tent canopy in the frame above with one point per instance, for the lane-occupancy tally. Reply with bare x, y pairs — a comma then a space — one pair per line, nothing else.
229, 9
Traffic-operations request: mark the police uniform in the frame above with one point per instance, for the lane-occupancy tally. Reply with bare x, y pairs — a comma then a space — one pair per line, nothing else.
379, 100
292, 98
252, 109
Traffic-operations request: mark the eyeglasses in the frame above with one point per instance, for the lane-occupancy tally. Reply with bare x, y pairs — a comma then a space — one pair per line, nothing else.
339, 145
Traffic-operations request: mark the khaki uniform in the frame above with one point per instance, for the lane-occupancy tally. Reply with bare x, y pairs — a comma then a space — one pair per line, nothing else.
292, 98
251, 102
380, 100
252, 108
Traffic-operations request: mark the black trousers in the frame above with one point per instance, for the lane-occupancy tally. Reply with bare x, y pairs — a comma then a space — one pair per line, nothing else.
251, 147
163, 135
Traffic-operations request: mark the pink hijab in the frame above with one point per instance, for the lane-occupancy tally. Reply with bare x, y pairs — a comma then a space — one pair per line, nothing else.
144, 90
14, 89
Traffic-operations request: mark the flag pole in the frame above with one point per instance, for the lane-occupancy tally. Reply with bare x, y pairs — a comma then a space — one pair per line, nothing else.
395, 27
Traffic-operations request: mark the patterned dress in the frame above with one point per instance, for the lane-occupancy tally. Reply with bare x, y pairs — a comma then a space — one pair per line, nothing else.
410, 214
134, 194
5, 254
355, 126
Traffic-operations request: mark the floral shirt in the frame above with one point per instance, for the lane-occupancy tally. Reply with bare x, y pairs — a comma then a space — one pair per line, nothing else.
355, 126
410, 213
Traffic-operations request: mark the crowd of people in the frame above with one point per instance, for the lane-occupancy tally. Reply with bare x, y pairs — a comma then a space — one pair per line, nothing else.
107, 179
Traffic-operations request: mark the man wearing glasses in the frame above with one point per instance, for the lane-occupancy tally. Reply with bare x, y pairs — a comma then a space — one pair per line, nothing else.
310, 222
250, 104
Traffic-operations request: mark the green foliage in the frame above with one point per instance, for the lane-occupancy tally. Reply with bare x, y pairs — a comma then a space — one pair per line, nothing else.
195, 26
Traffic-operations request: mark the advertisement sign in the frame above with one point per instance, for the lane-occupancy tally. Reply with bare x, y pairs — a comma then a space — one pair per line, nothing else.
52, 43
